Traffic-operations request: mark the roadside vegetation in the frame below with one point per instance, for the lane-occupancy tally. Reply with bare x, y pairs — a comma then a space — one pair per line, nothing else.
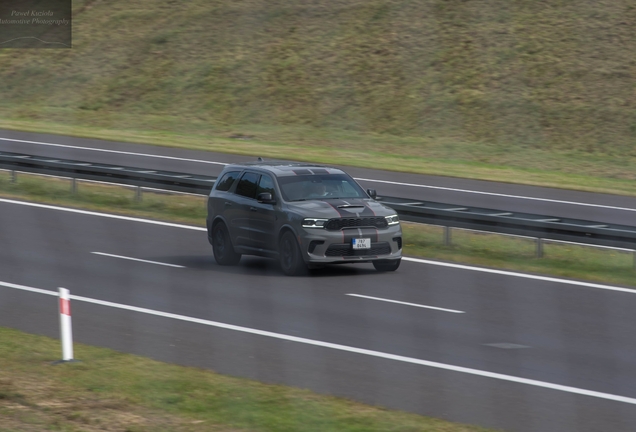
580, 262
533, 92
111, 391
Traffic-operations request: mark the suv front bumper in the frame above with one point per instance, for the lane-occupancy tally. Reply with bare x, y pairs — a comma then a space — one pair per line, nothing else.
325, 246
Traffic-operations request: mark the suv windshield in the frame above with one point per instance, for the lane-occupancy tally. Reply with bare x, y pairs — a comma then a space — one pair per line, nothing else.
325, 186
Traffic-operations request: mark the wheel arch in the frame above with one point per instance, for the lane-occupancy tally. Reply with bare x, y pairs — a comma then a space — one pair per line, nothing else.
283, 229
289, 228
217, 220
220, 219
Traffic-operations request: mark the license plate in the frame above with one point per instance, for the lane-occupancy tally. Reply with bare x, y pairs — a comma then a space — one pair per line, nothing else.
361, 243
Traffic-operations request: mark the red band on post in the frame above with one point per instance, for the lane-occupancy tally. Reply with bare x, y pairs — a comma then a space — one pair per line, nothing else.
65, 307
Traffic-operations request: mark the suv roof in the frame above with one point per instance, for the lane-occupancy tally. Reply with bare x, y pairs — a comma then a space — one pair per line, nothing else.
283, 168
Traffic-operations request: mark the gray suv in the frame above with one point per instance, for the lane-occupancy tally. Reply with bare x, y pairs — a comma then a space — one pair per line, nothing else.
303, 215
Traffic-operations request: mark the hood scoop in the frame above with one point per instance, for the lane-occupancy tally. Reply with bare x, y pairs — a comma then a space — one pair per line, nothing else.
348, 206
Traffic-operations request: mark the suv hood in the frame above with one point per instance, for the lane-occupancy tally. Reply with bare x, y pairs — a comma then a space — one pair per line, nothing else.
336, 208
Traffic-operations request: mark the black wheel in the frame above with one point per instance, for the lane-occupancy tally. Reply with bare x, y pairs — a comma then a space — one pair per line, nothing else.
290, 259
387, 265
222, 246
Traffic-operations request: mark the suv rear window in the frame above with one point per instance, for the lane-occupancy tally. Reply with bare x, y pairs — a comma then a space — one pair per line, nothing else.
226, 182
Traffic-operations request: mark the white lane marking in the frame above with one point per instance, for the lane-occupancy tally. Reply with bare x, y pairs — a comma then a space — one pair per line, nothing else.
137, 259
499, 194
114, 151
27, 288
406, 303
522, 275
356, 178
345, 348
416, 260
106, 215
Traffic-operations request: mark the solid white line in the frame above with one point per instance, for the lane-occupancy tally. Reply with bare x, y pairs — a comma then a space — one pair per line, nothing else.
27, 288
137, 259
114, 151
406, 303
359, 179
106, 215
345, 348
587, 245
522, 275
498, 194
416, 260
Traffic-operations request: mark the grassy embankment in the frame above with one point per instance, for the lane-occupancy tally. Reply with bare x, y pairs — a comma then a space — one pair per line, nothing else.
489, 250
533, 92
111, 391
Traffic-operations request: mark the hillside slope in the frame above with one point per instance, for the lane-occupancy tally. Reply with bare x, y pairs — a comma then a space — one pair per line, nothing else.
540, 74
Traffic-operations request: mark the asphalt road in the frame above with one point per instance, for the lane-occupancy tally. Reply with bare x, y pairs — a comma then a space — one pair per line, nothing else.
485, 348
554, 334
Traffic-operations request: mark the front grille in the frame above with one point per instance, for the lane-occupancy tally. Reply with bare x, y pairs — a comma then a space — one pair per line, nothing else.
373, 222
380, 248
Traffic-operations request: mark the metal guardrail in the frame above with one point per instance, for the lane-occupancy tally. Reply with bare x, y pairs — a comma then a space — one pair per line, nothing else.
510, 222
168, 180
453, 216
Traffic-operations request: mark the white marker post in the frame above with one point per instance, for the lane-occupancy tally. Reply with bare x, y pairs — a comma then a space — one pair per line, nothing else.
66, 330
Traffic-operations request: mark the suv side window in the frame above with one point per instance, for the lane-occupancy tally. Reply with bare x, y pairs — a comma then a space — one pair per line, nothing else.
247, 185
266, 184
226, 182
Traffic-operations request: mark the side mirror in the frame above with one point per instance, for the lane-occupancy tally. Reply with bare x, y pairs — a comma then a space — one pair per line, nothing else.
372, 193
265, 198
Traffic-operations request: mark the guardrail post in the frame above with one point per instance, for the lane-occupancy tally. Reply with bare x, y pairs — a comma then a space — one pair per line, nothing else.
634, 255
447, 236
14, 176
539, 247
73, 185
138, 194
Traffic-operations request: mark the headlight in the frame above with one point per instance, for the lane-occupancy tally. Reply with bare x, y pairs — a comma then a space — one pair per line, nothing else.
392, 220
314, 223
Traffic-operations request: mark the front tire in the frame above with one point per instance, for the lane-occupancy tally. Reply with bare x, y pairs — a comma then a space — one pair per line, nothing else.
291, 262
224, 253
387, 265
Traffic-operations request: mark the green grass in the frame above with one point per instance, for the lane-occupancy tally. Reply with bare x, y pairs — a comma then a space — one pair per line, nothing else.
476, 248
111, 391
566, 260
533, 92
183, 208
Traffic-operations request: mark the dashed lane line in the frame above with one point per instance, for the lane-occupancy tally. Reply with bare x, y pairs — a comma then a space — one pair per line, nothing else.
137, 259
406, 303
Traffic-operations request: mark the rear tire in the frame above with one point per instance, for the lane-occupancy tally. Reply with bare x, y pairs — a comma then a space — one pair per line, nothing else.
291, 262
224, 253
387, 265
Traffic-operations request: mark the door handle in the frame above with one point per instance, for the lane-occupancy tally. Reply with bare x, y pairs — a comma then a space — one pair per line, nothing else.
253, 209
228, 204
